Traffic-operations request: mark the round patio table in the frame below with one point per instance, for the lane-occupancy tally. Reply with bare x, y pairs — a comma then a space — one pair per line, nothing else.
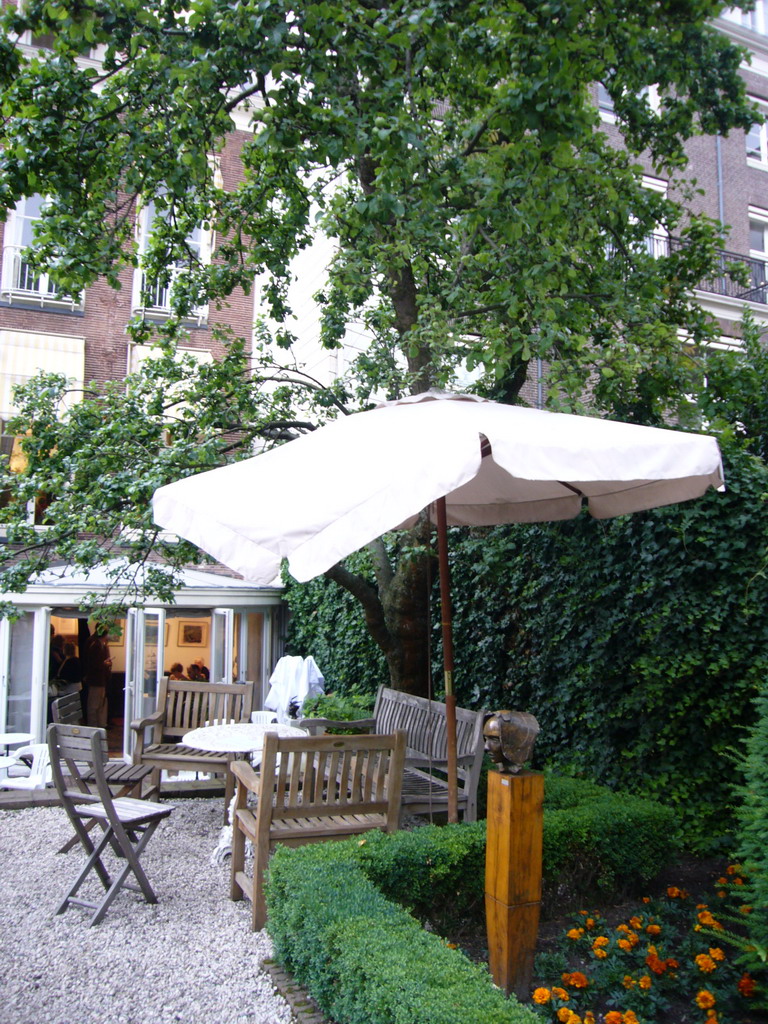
242, 739
236, 737
10, 739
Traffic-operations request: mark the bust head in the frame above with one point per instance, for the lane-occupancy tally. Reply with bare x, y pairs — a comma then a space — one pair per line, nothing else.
509, 738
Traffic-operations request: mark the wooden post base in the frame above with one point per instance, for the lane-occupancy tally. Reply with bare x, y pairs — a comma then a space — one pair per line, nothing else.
513, 877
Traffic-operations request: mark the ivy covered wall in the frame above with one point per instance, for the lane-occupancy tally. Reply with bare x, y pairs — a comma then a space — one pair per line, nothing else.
639, 643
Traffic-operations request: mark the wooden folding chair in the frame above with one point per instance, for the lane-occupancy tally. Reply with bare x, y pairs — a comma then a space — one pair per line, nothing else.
127, 824
309, 790
125, 779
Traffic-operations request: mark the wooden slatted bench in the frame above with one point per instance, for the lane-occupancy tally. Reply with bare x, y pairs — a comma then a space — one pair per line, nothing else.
425, 786
183, 705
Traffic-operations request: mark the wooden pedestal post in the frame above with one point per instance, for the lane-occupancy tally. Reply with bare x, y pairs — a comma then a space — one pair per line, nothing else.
513, 877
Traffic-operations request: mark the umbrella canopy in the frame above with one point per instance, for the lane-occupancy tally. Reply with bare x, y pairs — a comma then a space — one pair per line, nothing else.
466, 460
326, 494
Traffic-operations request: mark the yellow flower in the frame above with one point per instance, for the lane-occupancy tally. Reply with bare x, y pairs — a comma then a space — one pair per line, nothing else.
600, 954
613, 1017
589, 1017
541, 996
653, 929
636, 922
625, 944
705, 999
601, 940
629, 981
630, 1017
716, 953
705, 963
590, 922
645, 982
563, 1014
560, 993
573, 1018
574, 933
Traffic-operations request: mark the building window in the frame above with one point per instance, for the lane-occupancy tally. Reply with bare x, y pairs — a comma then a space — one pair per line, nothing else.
20, 282
153, 298
22, 355
606, 107
758, 251
757, 139
756, 19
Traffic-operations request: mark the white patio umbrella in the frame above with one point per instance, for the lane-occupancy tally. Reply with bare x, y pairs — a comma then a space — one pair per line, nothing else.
465, 460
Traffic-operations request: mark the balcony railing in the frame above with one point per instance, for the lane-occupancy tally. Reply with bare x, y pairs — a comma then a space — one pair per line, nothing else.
154, 299
22, 283
723, 283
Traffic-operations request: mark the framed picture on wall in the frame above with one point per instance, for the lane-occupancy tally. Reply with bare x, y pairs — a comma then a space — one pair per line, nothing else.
192, 633
116, 638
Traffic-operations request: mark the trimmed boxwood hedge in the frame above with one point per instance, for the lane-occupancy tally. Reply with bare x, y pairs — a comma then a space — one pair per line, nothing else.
344, 917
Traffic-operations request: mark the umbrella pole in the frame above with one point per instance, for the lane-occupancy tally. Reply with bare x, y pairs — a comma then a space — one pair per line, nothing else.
447, 630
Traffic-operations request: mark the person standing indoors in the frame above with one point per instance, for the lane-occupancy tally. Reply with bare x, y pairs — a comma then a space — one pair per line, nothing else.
97, 672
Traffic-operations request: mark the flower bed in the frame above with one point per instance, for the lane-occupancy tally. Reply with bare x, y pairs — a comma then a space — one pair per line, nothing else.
672, 960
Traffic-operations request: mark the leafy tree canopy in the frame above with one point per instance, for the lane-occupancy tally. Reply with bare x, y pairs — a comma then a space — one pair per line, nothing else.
448, 147
452, 152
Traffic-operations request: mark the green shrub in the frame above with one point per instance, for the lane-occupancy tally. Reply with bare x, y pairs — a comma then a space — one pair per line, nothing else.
365, 960
753, 836
344, 916
341, 707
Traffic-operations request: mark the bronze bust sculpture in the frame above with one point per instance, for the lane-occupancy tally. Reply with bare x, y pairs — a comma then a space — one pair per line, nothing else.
509, 739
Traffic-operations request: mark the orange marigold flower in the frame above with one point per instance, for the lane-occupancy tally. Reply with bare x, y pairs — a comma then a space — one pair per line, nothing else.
560, 993
622, 927
600, 953
576, 979
590, 922
636, 922
633, 937
671, 962
652, 951
705, 917
646, 899
563, 1014
573, 1018
601, 940
613, 1017
629, 981
574, 933
705, 999
645, 982
738, 881
705, 963
721, 894
732, 869
746, 985
721, 881
630, 1017
589, 1017
624, 944
657, 965
745, 909
673, 892
654, 929
716, 953
541, 996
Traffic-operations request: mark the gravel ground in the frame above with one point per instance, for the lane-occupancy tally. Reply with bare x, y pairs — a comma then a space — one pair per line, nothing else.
191, 957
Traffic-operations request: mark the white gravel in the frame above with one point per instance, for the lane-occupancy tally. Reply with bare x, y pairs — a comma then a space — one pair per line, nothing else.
191, 957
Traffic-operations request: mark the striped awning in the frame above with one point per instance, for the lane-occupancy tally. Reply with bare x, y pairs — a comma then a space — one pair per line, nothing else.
25, 353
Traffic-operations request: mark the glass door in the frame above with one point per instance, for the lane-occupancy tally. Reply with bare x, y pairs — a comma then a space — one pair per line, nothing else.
222, 645
145, 646
24, 673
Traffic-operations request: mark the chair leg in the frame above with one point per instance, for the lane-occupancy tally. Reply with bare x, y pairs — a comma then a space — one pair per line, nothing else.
93, 862
238, 860
131, 853
258, 903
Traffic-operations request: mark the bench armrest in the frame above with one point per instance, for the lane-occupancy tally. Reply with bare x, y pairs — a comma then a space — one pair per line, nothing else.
154, 719
245, 774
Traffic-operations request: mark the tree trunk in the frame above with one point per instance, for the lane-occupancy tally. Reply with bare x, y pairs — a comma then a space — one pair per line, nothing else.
398, 610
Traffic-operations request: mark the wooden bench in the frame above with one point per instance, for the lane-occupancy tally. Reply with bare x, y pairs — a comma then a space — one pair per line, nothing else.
310, 790
183, 705
425, 785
